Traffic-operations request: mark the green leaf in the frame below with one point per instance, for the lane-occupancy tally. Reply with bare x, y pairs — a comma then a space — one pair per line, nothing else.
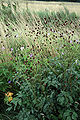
70, 98
74, 116
67, 113
61, 100
8, 109
54, 117
1, 83
25, 57
68, 118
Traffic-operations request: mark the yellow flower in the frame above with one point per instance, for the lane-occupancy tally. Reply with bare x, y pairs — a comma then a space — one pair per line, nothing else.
9, 94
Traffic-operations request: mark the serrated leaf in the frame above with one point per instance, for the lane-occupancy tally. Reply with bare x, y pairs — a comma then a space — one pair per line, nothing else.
68, 118
74, 116
8, 109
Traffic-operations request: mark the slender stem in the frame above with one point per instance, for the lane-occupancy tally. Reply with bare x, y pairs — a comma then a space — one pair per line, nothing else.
5, 116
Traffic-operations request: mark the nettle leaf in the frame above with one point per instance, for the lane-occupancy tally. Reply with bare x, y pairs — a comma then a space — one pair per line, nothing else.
54, 117
74, 116
26, 119
66, 113
46, 106
60, 76
61, 114
19, 95
55, 83
1, 83
32, 117
51, 73
78, 82
68, 118
49, 77
9, 108
15, 102
70, 98
52, 94
61, 100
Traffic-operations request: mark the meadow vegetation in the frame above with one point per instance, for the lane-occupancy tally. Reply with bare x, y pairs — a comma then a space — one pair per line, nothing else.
39, 64
53, 6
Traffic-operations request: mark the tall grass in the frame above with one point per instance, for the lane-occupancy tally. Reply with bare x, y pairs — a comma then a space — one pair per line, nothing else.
13, 22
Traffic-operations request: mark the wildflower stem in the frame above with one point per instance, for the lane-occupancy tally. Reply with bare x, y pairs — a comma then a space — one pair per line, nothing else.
5, 116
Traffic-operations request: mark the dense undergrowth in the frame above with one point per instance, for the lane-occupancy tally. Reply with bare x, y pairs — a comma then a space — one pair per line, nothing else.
39, 64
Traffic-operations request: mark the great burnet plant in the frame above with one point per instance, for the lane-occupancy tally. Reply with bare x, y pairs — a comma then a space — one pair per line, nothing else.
57, 18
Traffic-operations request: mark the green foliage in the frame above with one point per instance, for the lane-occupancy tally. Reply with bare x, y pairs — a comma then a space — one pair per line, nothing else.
6, 73
51, 97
